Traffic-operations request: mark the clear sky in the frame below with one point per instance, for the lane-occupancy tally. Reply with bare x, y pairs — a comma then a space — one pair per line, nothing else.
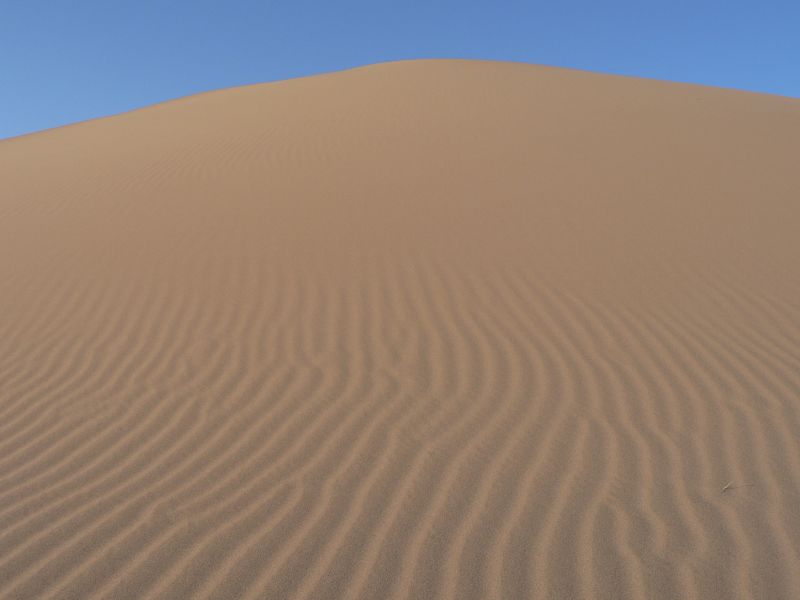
63, 61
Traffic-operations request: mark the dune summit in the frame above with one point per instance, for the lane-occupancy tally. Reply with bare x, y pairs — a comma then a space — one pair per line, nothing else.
434, 329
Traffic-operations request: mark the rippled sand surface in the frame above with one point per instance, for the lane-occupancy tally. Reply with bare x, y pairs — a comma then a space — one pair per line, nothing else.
437, 329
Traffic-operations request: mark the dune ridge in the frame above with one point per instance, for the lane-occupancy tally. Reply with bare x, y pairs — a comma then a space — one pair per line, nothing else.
427, 329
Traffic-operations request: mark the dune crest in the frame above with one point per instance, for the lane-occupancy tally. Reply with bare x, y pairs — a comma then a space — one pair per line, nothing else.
429, 329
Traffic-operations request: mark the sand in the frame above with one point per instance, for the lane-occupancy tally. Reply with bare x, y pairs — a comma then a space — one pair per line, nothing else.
431, 329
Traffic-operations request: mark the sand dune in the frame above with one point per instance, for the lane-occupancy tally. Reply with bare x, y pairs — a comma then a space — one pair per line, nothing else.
437, 329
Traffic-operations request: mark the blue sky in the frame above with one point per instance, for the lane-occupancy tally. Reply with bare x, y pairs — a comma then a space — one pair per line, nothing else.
63, 61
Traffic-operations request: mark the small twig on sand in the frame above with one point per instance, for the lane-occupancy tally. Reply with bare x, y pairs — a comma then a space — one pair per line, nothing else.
730, 486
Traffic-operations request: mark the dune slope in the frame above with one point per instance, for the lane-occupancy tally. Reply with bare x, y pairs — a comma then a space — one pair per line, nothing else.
436, 329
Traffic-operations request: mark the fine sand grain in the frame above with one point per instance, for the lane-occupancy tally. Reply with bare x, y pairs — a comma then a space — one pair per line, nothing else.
436, 329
